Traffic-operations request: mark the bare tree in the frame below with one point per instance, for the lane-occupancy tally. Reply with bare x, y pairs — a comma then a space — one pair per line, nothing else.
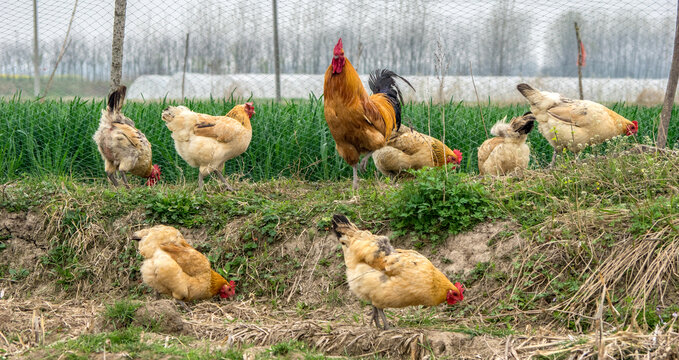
62, 51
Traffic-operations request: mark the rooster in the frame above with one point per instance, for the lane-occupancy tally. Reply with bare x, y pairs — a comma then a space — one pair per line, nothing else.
122, 146
574, 124
172, 267
388, 277
409, 149
206, 141
360, 123
507, 151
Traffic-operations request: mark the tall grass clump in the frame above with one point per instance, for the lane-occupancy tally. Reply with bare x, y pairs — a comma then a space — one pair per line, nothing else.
291, 139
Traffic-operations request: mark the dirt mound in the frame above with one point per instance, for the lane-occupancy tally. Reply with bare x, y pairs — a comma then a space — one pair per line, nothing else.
467, 249
162, 314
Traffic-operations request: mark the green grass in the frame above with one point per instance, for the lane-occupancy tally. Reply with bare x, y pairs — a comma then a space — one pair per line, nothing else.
120, 314
137, 344
54, 137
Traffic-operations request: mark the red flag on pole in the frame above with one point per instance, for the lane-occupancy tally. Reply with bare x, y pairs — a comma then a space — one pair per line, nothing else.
582, 56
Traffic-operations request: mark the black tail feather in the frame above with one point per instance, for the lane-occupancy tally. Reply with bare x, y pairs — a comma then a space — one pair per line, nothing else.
383, 81
116, 98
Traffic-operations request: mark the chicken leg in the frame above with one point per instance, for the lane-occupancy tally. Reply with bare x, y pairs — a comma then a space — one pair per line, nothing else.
200, 180
223, 180
355, 183
364, 161
384, 319
375, 318
553, 159
377, 315
112, 177
122, 175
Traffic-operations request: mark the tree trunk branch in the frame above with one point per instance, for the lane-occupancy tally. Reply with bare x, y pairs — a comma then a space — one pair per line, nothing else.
61, 52
117, 43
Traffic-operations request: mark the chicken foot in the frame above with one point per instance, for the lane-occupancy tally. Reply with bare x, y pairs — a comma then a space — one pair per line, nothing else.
183, 305
223, 180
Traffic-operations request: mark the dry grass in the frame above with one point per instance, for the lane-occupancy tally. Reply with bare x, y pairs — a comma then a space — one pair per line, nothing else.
660, 344
35, 323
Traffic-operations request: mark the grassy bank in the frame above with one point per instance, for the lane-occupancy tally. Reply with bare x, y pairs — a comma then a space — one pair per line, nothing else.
537, 251
289, 140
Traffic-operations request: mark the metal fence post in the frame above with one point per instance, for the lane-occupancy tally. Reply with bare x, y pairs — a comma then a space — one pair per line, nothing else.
276, 53
666, 114
117, 43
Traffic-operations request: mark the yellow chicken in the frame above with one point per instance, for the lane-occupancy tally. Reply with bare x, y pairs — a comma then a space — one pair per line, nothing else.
206, 141
507, 151
409, 149
574, 124
122, 146
388, 277
172, 267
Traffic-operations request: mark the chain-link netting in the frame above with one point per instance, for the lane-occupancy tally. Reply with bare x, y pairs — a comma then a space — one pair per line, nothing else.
224, 49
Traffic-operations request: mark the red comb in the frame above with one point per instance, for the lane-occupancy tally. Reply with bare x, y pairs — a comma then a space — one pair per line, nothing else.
339, 47
458, 154
154, 177
460, 288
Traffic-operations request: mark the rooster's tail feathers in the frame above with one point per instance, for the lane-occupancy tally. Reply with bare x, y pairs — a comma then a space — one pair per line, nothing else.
383, 81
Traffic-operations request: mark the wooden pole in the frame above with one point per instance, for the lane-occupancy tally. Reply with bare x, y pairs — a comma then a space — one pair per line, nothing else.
186, 56
580, 59
36, 52
276, 53
117, 43
666, 114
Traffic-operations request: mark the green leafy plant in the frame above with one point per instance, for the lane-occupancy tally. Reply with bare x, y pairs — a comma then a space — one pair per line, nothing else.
439, 201
177, 207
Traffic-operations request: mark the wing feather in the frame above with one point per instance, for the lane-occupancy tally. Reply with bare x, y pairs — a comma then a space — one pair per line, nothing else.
222, 129
189, 259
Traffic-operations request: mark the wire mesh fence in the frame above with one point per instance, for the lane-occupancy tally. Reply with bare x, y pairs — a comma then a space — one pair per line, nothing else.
224, 49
